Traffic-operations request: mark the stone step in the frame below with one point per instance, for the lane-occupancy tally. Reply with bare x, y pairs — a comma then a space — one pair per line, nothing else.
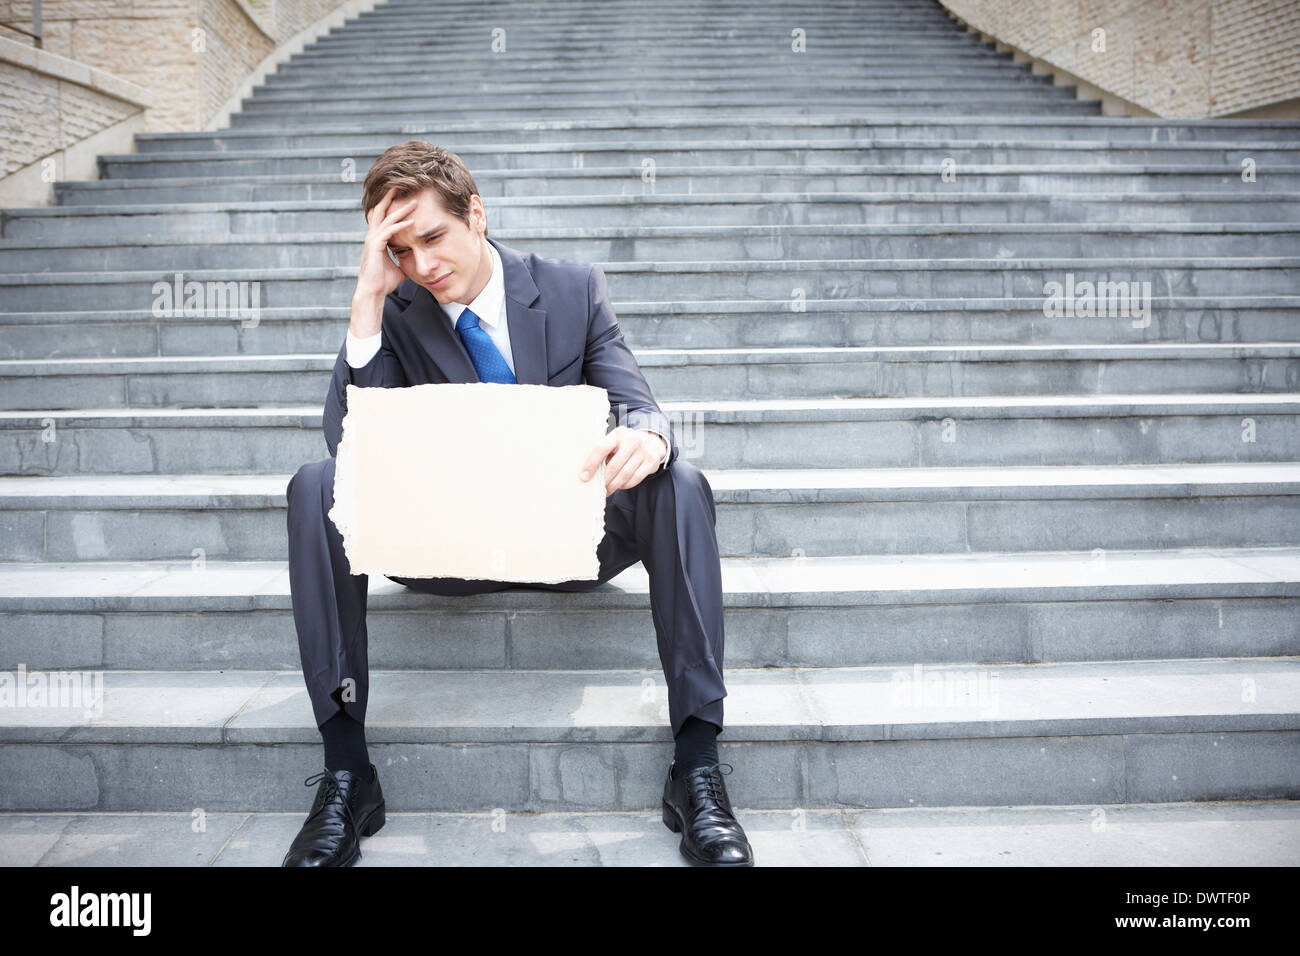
580, 23
706, 64
672, 109
651, 58
296, 329
635, 211
1103, 132
1225, 833
329, 153
776, 433
679, 180
765, 513
728, 11
577, 76
1122, 289
471, 91
795, 611
579, 32
474, 49
238, 381
1096, 733
699, 243
588, 22
714, 27
471, 94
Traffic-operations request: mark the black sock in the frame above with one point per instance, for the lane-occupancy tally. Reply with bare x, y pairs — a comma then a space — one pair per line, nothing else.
697, 745
345, 745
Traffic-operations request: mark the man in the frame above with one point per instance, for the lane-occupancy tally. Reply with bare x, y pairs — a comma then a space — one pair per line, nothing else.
452, 305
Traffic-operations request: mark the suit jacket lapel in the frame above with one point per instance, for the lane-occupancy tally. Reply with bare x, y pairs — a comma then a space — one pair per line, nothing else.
525, 325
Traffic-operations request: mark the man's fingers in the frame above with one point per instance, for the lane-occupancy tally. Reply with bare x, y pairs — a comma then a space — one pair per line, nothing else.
627, 466
385, 232
401, 210
381, 208
597, 455
617, 469
385, 209
632, 476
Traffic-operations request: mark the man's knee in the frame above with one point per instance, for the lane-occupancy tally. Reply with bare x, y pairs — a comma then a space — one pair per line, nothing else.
688, 475
691, 488
311, 479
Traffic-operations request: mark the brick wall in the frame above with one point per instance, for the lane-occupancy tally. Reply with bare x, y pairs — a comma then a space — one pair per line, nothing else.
108, 70
190, 54
1174, 58
41, 114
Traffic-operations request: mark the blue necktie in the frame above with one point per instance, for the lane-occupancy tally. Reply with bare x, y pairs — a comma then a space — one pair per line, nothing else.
483, 352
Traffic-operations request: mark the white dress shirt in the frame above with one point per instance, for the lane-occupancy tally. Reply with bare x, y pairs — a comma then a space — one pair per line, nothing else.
490, 307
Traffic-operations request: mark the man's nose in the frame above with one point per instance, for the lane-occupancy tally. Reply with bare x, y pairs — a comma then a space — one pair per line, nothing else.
426, 262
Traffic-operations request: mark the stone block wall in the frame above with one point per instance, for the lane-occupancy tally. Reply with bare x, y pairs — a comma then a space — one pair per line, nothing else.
108, 69
1183, 59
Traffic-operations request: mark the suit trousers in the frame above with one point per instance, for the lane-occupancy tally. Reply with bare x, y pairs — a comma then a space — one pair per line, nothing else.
668, 522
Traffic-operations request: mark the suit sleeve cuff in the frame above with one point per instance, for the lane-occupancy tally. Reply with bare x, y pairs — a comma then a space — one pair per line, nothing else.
361, 351
667, 444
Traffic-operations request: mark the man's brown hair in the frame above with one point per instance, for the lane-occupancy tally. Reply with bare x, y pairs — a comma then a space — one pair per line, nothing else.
414, 166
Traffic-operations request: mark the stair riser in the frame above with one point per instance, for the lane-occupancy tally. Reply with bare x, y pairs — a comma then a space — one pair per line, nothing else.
789, 124
652, 210
897, 71
577, 32
455, 633
1055, 136
399, 54
1131, 302
918, 439
415, 111
630, 182
656, 98
146, 254
753, 380
271, 336
744, 529
184, 157
411, 116
1091, 770
670, 85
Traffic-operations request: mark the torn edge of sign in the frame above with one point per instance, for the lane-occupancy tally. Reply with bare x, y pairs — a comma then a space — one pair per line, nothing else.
579, 401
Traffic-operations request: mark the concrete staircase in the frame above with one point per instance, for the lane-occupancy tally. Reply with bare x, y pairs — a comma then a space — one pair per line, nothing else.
976, 555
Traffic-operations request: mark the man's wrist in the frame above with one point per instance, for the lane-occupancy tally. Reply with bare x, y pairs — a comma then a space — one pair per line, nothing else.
367, 314
663, 455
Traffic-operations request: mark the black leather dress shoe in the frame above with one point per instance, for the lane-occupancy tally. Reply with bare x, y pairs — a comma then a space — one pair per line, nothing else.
346, 808
696, 805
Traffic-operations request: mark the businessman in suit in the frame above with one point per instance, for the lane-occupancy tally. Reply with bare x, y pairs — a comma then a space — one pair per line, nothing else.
452, 305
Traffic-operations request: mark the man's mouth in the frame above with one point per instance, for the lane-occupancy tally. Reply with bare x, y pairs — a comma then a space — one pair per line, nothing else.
437, 283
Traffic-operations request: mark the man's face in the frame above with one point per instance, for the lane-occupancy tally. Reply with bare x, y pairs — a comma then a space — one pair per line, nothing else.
439, 248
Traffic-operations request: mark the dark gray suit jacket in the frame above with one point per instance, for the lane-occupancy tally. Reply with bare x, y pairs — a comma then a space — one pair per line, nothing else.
562, 332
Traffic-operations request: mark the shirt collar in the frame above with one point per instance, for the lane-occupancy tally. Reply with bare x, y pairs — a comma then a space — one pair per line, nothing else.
487, 304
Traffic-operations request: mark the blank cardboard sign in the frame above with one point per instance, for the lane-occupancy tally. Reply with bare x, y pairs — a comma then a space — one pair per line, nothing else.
475, 480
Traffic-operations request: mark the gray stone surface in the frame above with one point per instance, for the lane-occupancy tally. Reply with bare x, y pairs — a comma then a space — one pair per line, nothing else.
1080, 531
882, 736
1174, 834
